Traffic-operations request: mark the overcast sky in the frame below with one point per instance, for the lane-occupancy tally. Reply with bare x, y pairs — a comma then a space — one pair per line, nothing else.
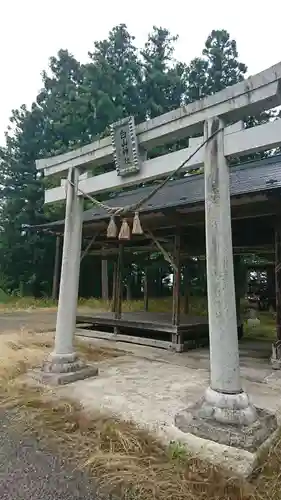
33, 30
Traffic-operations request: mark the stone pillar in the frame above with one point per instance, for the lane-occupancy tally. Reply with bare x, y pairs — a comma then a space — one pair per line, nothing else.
225, 413
63, 365
224, 355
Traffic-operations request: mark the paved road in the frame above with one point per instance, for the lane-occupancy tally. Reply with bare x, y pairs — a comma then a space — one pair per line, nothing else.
32, 320
27, 472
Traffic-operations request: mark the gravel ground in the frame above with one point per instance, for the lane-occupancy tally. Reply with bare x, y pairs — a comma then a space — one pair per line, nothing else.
30, 472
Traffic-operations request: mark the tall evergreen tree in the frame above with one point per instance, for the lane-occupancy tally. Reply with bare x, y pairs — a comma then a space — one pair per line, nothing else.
46, 129
76, 104
22, 195
164, 82
217, 68
64, 105
113, 79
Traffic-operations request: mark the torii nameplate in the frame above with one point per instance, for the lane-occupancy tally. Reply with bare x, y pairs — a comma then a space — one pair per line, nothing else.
124, 142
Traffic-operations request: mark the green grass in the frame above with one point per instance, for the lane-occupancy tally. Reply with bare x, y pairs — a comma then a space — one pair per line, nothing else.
4, 297
266, 330
23, 303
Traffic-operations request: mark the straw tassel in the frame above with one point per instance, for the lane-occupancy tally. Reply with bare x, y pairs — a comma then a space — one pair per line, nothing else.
124, 233
137, 229
112, 228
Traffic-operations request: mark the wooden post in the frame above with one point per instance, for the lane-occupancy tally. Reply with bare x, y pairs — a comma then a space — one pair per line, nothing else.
114, 287
270, 271
176, 281
128, 289
160, 283
185, 290
104, 279
129, 280
278, 281
119, 287
145, 289
56, 275
276, 346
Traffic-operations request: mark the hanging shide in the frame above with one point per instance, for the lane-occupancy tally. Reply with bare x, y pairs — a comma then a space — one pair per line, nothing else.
137, 229
112, 228
125, 232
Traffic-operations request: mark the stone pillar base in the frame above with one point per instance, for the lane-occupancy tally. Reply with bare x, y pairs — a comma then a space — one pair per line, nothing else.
276, 355
228, 419
59, 370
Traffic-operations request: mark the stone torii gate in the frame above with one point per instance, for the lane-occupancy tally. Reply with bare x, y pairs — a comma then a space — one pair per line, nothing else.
225, 412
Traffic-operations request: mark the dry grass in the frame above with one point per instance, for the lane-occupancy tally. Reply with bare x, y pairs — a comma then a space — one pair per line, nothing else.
164, 304
126, 460
24, 350
198, 305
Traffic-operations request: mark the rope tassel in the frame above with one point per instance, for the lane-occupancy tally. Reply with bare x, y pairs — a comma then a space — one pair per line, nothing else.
112, 228
137, 229
124, 233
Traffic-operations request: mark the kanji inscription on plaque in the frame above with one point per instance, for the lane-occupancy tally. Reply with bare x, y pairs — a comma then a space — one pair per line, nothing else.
124, 141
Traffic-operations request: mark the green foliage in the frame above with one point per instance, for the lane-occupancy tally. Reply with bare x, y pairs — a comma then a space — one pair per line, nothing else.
164, 82
76, 104
113, 79
218, 67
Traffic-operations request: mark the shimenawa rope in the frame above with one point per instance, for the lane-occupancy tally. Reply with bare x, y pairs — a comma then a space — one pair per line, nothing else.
124, 232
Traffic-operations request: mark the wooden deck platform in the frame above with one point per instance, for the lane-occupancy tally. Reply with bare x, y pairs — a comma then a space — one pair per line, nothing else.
147, 328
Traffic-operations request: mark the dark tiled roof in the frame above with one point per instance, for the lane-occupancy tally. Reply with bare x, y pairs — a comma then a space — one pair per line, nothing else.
246, 178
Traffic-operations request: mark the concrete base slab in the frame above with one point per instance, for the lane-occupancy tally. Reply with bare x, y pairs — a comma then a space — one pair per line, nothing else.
248, 437
149, 386
53, 378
